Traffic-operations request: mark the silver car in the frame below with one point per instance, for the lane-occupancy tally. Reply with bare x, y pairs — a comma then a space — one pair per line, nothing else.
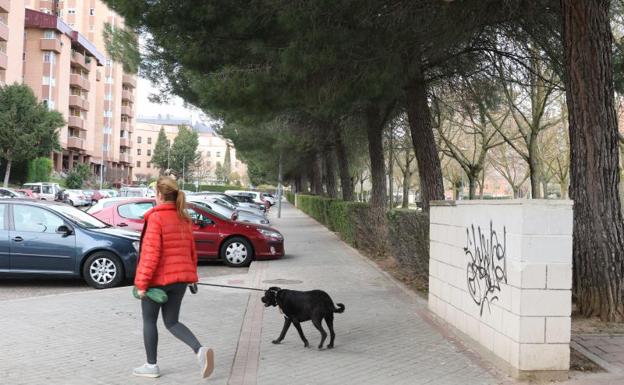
229, 212
228, 201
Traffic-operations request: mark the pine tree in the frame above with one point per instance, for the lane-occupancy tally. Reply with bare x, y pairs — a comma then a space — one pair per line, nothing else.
161, 155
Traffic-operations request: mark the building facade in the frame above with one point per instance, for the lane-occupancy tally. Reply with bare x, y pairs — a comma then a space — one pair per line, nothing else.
63, 58
212, 150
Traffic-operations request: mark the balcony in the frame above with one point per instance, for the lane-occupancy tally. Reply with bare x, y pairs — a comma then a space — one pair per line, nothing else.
75, 143
75, 122
78, 81
78, 102
127, 126
78, 59
125, 142
127, 111
50, 45
5, 6
127, 95
4, 31
125, 158
4, 61
129, 80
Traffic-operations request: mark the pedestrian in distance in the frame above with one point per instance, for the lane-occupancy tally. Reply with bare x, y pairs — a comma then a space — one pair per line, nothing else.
168, 261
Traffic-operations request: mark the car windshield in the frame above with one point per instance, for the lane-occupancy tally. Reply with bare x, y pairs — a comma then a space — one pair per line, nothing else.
228, 199
80, 217
206, 207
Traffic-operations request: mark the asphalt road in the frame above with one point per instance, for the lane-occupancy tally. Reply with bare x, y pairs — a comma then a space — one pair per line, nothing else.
23, 288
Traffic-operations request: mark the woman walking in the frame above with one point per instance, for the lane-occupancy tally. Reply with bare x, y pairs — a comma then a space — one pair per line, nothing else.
168, 261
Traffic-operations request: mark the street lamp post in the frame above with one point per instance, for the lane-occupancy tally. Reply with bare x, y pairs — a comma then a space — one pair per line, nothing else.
279, 186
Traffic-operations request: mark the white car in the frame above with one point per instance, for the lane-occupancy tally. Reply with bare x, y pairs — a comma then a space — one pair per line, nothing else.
253, 208
137, 192
229, 211
269, 197
43, 191
255, 195
76, 198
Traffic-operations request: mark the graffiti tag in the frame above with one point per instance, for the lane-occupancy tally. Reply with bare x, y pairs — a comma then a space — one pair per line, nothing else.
487, 267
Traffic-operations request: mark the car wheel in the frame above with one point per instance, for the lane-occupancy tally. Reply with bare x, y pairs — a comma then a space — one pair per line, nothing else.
236, 252
71, 202
103, 270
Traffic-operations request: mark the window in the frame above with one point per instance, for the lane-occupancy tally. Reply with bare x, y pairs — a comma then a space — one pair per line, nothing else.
208, 154
108, 114
138, 163
49, 57
92, 11
2, 211
49, 34
134, 210
138, 139
218, 154
46, 10
149, 152
149, 165
109, 63
91, 28
138, 151
35, 219
108, 96
149, 140
71, 11
109, 80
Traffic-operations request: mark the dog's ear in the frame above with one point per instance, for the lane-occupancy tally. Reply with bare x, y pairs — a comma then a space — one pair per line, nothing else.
274, 288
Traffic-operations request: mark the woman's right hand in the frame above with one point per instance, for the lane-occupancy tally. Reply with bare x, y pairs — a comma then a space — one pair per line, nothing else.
141, 293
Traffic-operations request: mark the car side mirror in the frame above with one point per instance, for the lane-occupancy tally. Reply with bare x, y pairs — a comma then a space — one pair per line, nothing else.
65, 230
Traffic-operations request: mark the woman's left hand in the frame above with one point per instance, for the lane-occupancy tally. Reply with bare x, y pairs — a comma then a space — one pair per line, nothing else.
141, 293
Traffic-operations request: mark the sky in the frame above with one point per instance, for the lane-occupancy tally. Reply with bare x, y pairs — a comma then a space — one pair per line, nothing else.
175, 106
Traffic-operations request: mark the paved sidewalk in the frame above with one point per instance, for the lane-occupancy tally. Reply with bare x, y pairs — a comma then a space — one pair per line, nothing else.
380, 338
384, 337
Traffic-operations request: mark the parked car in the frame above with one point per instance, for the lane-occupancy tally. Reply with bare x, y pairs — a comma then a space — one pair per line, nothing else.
255, 195
137, 192
270, 198
11, 193
254, 208
76, 198
52, 239
27, 192
216, 236
93, 196
109, 193
43, 191
229, 211
122, 212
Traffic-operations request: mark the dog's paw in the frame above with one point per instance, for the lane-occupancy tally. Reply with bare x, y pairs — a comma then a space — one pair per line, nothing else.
330, 346
276, 342
306, 345
320, 347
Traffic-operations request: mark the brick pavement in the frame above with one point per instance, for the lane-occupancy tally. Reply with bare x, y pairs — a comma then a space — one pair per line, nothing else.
607, 350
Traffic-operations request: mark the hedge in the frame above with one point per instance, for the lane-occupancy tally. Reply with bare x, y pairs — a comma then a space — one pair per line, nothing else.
405, 237
290, 197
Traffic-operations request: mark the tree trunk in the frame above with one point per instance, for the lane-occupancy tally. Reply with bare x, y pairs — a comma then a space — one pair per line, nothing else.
315, 176
330, 172
515, 191
406, 179
391, 169
544, 189
374, 130
534, 168
563, 190
7, 172
472, 186
419, 116
346, 184
598, 235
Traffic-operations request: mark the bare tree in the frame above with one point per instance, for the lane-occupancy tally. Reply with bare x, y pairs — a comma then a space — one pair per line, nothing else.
511, 167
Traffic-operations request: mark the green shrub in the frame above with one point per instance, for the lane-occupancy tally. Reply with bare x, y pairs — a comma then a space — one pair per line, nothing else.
39, 170
408, 239
404, 235
290, 197
77, 176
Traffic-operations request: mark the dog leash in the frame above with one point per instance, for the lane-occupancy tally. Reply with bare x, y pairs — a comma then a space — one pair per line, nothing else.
230, 286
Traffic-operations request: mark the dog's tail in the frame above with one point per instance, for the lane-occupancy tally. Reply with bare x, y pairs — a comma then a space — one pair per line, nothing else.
340, 308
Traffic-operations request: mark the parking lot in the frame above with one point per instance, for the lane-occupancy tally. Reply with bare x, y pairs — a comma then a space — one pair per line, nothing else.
24, 288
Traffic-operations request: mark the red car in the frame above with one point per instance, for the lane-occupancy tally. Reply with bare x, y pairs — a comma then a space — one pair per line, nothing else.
216, 237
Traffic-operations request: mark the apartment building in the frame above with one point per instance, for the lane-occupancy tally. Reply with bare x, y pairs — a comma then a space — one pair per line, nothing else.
11, 40
100, 101
211, 148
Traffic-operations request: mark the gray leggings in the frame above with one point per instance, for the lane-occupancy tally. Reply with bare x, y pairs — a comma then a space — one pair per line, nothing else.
170, 312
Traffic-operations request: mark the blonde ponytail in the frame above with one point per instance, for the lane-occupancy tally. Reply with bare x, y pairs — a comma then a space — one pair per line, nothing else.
169, 190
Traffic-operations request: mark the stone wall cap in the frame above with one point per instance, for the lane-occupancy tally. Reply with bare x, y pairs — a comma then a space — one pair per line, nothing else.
509, 202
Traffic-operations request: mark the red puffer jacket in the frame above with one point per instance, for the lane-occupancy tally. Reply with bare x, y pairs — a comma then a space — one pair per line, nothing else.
167, 250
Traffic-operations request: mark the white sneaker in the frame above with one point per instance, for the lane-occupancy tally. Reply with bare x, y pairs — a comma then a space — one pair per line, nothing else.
205, 357
147, 370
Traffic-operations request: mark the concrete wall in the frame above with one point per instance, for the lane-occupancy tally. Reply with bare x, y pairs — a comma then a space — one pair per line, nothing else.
501, 273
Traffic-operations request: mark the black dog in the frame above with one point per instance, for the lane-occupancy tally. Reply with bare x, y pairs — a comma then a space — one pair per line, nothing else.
301, 306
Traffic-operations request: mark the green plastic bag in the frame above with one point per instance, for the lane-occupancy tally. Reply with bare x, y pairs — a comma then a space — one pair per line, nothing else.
155, 294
